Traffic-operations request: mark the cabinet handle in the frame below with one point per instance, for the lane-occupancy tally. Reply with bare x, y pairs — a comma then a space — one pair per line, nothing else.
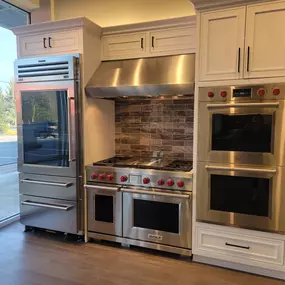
248, 57
238, 246
49, 42
239, 60
152, 42
141, 42
44, 41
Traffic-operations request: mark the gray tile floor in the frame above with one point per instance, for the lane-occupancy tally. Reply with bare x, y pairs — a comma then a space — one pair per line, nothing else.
9, 191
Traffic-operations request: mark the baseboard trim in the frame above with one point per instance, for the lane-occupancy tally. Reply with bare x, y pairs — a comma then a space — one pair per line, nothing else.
239, 267
9, 220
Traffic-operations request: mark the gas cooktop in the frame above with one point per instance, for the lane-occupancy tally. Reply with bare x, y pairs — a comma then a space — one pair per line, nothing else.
146, 163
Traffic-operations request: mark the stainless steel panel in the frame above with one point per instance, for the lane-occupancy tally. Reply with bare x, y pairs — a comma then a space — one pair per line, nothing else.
49, 186
183, 239
46, 68
52, 214
277, 157
274, 223
71, 88
114, 228
167, 75
161, 247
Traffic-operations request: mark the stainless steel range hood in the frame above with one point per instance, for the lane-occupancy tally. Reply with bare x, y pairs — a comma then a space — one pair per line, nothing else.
169, 75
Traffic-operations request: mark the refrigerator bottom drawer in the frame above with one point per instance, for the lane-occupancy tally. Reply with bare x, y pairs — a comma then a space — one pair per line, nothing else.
52, 214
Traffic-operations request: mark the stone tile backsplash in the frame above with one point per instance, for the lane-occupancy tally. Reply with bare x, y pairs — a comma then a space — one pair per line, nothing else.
146, 126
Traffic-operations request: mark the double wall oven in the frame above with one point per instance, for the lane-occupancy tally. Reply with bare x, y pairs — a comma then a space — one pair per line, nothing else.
241, 158
49, 148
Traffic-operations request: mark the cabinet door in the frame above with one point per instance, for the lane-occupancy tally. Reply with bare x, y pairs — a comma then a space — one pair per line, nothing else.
124, 46
173, 41
35, 45
265, 40
63, 42
222, 44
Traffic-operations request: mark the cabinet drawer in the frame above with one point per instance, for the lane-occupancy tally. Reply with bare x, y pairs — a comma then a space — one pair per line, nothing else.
124, 46
241, 246
173, 41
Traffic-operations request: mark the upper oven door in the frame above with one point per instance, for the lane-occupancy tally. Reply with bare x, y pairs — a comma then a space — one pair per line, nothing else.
46, 123
157, 216
248, 197
242, 132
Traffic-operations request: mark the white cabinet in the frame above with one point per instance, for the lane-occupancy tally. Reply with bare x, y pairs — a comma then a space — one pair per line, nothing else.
265, 40
159, 38
173, 41
32, 45
241, 248
222, 44
124, 46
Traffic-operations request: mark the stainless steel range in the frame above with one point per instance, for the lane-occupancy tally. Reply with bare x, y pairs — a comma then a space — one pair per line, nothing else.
141, 201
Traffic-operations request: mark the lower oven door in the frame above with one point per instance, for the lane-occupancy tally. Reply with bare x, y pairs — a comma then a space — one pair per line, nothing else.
157, 216
104, 209
247, 197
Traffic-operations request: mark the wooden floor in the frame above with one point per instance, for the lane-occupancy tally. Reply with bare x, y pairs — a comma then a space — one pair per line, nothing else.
39, 258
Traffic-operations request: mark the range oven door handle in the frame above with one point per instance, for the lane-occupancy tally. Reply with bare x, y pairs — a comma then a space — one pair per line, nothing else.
245, 105
48, 206
245, 169
99, 187
47, 183
171, 195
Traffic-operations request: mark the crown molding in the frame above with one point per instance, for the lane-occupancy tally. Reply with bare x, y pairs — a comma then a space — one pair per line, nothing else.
211, 5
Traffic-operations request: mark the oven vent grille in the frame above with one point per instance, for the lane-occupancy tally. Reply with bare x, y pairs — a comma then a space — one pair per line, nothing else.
46, 69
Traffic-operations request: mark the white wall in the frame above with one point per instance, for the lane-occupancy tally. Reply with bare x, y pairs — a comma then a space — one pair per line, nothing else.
119, 12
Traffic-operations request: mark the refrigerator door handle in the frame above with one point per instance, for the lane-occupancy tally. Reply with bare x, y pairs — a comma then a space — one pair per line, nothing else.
49, 206
66, 185
71, 129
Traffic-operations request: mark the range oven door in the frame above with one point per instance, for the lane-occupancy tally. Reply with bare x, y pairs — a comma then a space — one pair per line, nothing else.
247, 197
242, 132
104, 211
157, 216
47, 127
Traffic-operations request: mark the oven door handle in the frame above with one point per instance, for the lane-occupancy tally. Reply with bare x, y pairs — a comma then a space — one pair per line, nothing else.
247, 169
99, 187
171, 195
246, 105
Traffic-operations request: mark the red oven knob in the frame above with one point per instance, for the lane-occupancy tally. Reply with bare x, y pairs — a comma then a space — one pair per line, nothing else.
261, 92
101, 176
170, 182
160, 182
276, 91
93, 175
124, 178
211, 94
180, 183
110, 177
224, 94
146, 180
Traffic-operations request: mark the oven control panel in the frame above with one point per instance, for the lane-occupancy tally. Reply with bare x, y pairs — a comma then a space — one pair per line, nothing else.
154, 179
242, 93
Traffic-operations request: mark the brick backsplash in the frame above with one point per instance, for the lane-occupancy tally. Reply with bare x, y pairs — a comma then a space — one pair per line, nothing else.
149, 125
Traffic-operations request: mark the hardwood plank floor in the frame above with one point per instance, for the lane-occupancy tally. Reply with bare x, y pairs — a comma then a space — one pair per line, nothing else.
40, 258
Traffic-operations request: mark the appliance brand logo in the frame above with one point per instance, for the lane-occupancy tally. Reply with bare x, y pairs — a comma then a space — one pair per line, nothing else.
154, 237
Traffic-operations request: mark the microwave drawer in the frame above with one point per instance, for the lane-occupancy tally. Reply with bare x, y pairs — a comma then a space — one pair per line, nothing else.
241, 247
52, 214
48, 186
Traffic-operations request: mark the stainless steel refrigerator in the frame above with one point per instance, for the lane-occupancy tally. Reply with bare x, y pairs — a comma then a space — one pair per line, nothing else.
49, 128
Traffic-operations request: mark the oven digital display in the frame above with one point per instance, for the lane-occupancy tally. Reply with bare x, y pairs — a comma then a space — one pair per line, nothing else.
243, 92
135, 179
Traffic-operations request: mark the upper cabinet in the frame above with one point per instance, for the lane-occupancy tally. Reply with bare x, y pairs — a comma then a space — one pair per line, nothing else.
246, 42
221, 44
53, 38
160, 38
265, 40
